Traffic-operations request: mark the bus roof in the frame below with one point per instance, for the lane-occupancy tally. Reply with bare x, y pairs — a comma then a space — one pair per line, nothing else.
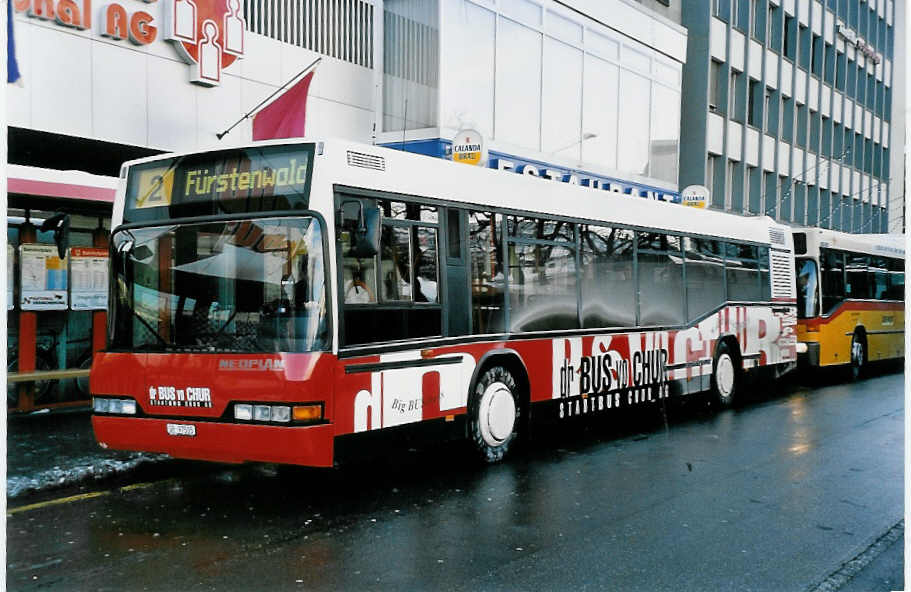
342, 162
888, 245
438, 178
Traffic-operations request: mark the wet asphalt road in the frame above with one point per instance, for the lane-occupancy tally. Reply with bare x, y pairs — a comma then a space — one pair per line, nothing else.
774, 495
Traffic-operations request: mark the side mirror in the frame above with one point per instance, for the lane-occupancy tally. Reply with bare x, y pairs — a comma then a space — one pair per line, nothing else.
60, 224
142, 252
361, 218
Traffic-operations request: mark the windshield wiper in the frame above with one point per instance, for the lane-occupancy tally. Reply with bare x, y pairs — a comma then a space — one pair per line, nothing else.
225, 326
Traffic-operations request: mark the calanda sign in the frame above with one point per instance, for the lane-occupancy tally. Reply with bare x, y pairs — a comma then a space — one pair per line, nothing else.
207, 34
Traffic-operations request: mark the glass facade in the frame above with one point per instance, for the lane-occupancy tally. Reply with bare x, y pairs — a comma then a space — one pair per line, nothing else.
411, 73
540, 79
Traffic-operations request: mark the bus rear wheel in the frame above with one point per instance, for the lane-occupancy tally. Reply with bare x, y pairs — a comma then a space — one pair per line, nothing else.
858, 356
494, 410
724, 376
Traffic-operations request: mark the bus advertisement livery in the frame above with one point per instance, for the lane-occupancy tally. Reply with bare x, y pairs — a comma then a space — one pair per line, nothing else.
850, 298
281, 301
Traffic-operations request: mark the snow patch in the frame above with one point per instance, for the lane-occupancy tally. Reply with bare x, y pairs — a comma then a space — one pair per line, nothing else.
86, 469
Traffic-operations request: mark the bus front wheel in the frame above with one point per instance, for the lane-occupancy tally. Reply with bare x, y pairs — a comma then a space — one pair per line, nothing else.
724, 376
494, 414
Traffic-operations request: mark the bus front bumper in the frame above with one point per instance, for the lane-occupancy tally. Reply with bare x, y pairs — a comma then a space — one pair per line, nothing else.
220, 442
809, 356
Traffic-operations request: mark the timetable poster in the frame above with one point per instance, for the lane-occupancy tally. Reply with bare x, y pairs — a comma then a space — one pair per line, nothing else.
88, 278
42, 276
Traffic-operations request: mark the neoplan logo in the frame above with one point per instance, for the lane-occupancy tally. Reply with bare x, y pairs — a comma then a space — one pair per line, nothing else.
208, 35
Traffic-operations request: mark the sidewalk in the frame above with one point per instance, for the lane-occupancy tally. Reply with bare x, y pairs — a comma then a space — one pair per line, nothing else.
884, 573
54, 449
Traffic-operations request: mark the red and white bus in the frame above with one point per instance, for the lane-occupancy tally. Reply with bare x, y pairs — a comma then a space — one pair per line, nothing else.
279, 301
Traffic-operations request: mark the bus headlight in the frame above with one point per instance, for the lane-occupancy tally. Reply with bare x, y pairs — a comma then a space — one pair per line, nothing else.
113, 405
262, 412
243, 412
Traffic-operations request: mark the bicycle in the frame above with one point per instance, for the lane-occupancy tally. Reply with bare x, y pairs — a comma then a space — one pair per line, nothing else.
46, 360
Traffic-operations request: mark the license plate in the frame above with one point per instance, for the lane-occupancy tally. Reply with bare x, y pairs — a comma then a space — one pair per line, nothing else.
181, 429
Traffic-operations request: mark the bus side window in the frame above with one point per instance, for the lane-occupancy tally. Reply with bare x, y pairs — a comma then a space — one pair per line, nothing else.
879, 277
542, 276
358, 275
765, 286
608, 285
858, 278
896, 279
833, 279
395, 294
487, 281
741, 267
660, 268
704, 277
395, 263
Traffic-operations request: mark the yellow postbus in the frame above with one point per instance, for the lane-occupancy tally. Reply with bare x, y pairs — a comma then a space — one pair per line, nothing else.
850, 297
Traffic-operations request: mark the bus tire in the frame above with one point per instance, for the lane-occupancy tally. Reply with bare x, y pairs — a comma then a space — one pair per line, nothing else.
858, 355
494, 413
724, 375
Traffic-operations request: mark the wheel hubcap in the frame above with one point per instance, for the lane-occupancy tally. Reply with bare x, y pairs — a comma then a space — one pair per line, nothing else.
857, 353
724, 376
497, 414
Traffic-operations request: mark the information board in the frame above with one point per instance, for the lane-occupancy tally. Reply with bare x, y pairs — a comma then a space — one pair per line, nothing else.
42, 278
88, 278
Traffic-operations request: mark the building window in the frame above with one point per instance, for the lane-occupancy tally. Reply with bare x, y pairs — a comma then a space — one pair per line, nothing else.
733, 110
802, 125
771, 22
710, 172
716, 8
787, 118
816, 55
789, 35
751, 200
767, 110
740, 14
755, 24
729, 185
753, 103
768, 195
840, 71
715, 84
782, 198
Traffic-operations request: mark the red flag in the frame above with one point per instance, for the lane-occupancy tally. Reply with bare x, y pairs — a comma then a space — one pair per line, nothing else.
284, 117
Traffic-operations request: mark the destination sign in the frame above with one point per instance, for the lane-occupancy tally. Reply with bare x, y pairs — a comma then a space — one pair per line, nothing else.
228, 181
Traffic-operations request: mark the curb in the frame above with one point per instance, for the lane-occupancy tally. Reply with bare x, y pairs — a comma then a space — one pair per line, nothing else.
855, 565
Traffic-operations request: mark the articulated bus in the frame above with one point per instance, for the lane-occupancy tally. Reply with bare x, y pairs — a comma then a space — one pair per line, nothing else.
850, 297
285, 302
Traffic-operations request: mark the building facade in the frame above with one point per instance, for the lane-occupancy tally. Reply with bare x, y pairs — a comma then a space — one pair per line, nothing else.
788, 109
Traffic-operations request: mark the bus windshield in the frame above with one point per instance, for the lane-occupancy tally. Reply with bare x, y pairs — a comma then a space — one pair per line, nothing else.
254, 285
807, 289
